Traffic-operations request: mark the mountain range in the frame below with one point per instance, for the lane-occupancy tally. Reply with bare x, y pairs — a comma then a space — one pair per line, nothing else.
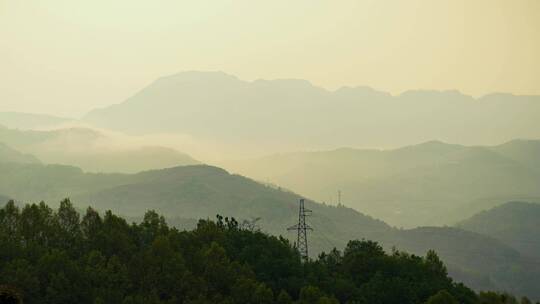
447, 197
432, 183
295, 113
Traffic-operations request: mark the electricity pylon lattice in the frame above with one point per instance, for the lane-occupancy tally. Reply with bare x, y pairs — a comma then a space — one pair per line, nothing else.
302, 227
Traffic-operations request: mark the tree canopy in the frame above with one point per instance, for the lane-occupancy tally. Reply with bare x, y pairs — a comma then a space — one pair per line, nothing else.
57, 256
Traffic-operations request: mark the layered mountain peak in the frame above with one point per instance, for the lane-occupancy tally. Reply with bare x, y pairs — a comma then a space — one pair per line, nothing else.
216, 106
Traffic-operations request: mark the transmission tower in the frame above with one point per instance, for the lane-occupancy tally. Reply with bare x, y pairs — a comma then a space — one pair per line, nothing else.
302, 228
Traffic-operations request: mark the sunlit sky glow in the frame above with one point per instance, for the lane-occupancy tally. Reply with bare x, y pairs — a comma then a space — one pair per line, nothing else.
67, 57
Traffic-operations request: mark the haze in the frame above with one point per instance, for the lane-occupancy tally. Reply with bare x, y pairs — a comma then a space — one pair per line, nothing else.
167, 151
67, 57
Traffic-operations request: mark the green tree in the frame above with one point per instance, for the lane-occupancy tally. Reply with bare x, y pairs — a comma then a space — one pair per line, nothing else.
442, 297
263, 294
310, 295
23, 275
9, 220
54, 257
435, 264
284, 298
69, 234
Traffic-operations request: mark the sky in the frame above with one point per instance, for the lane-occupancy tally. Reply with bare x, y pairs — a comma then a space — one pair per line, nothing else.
66, 57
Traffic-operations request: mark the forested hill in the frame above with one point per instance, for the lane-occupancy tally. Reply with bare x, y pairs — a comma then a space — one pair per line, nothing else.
433, 183
192, 192
8, 154
188, 192
515, 223
100, 258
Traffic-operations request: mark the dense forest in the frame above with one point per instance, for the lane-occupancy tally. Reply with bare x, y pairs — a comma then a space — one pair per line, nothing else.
57, 256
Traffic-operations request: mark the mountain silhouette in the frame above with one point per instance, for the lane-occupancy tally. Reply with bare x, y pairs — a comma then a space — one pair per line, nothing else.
215, 105
432, 183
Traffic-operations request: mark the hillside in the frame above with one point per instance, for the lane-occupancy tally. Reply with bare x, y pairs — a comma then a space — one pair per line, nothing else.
191, 192
526, 152
432, 183
28, 121
513, 223
92, 150
481, 262
8, 154
294, 113
184, 192
201, 191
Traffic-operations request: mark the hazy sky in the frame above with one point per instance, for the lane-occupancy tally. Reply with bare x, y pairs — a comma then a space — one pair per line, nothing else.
66, 57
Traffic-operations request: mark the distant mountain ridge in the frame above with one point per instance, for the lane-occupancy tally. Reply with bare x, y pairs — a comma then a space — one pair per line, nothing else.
427, 184
92, 150
215, 105
513, 223
522, 151
29, 121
